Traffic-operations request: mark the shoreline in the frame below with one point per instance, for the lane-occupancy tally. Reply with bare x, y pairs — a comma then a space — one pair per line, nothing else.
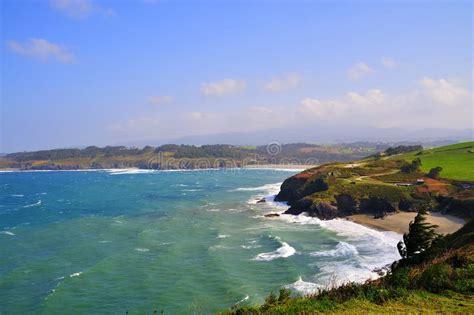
399, 222
276, 167
280, 166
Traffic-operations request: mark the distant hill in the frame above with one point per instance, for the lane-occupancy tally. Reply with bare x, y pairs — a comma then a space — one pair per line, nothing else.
172, 156
322, 133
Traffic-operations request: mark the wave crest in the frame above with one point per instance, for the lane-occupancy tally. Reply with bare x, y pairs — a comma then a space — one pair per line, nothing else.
282, 252
342, 249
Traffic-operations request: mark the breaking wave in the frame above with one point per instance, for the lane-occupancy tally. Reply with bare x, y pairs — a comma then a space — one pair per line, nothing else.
342, 249
282, 252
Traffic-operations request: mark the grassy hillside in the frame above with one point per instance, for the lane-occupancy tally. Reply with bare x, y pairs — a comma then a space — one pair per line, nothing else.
457, 160
384, 184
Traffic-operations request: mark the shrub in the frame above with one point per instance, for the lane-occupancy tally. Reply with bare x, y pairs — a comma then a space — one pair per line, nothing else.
284, 295
270, 300
399, 278
414, 166
434, 172
436, 278
463, 281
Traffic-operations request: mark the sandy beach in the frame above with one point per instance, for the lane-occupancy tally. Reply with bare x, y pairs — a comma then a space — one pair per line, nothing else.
399, 222
281, 166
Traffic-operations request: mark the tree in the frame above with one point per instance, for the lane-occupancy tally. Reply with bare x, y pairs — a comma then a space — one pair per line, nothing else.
434, 172
412, 167
418, 238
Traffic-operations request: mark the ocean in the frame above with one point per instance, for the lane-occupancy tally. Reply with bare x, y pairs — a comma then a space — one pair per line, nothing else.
181, 242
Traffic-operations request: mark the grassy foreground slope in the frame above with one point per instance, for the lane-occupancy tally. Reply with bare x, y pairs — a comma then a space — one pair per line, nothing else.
457, 160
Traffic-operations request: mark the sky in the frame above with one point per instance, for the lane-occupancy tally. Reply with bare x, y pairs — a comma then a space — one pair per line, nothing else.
90, 72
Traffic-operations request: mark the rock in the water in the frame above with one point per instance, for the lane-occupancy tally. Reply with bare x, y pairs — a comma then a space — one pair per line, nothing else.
271, 215
261, 200
322, 210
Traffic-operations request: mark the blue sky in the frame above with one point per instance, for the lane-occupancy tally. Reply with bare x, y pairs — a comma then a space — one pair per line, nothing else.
83, 72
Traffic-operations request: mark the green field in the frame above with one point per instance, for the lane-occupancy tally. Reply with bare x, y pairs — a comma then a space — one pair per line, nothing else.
457, 160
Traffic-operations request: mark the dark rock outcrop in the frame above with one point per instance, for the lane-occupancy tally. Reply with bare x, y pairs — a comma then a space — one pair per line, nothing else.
271, 215
290, 189
376, 206
346, 204
322, 210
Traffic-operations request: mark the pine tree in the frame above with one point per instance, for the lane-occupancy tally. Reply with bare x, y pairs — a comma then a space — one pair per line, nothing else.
419, 237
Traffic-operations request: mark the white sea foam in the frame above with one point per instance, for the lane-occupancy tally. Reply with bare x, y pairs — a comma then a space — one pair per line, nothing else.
142, 249
33, 204
18, 195
165, 243
219, 246
364, 251
342, 249
282, 252
7, 233
250, 246
223, 236
265, 187
76, 274
213, 210
345, 228
269, 192
129, 171
304, 287
242, 300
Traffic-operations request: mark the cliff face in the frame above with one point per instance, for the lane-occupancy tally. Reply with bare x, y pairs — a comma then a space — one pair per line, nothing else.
375, 187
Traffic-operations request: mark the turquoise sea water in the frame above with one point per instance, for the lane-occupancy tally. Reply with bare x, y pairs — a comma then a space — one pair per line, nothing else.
182, 242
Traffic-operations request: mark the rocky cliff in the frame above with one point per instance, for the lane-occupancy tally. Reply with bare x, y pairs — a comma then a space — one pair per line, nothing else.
373, 186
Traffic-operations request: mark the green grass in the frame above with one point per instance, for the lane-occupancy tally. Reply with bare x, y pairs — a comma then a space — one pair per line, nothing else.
457, 160
413, 302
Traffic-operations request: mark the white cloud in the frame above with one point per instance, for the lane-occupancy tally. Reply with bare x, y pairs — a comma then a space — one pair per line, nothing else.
80, 9
431, 103
359, 70
445, 92
438, 103
160, 100
388, 63
223, 87
281, 84
43, 50
373, 96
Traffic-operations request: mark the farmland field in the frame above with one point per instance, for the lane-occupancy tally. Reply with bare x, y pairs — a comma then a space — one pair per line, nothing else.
457, 160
